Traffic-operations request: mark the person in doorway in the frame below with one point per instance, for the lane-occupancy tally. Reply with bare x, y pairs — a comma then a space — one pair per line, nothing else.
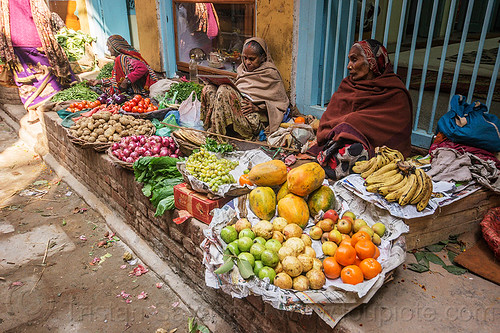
224, 109
371, 108
29, 49
131, 73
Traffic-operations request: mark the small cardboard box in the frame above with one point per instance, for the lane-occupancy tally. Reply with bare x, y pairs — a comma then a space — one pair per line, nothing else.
197, 204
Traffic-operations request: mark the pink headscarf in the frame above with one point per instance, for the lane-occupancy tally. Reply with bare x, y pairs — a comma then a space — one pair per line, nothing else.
376, 55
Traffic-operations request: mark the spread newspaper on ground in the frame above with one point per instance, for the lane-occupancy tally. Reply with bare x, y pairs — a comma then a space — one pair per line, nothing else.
336, 298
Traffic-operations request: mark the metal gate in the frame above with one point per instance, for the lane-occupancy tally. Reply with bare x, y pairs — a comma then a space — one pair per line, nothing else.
439, 48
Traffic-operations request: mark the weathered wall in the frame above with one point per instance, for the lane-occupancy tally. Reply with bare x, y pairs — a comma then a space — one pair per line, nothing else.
275, 25
83, 17
149, 35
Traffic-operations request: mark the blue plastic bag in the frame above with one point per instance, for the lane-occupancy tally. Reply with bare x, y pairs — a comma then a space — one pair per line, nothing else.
481, 129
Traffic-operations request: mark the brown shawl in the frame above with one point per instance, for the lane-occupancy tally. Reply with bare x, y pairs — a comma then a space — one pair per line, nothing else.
374, 112
265, 86
42, 19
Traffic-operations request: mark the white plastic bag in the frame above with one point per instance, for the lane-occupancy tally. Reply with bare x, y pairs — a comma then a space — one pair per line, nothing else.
189, 112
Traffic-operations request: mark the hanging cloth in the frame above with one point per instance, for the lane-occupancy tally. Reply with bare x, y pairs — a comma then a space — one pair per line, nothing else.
212, 22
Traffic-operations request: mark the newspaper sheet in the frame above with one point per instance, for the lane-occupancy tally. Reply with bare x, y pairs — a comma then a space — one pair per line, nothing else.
335, 299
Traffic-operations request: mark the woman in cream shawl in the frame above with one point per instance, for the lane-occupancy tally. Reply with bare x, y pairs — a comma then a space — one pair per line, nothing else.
223, 107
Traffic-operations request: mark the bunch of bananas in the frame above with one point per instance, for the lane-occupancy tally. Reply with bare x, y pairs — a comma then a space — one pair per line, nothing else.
397, 180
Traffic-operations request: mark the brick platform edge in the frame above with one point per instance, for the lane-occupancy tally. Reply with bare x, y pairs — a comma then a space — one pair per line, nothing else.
178, 245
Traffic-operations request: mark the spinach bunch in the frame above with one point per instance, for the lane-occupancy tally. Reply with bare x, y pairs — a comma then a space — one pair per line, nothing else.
159, 176
106, 71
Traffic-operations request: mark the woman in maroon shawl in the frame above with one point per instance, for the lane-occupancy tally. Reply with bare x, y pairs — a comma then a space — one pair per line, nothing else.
131, 73
371, 108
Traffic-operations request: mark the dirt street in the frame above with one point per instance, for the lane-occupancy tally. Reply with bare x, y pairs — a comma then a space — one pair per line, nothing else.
61, 269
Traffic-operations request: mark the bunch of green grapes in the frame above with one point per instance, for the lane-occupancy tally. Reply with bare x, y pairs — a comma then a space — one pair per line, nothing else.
206, 167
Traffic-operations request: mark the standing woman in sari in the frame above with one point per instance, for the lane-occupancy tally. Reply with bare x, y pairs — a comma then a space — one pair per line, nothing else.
131, 73
29, 49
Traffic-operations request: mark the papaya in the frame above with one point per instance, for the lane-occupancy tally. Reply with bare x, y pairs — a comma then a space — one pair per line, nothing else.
321, 199
269, 173
306, 178
283, 191
294, 209
262, 202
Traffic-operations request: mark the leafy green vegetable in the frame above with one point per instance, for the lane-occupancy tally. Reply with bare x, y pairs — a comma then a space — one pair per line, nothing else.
79, 91
214, 146
179, 92
73, 42
159, 175
106, 71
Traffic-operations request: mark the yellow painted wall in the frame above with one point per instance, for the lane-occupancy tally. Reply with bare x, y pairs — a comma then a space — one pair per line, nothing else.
149, 36
275, 26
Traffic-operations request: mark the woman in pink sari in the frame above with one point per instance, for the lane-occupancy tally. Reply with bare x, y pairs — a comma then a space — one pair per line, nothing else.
29, 49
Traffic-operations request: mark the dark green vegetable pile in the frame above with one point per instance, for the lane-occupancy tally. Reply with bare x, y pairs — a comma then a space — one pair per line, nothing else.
159, 176
105, 71
178, 93
79, 91
214, 146
73, 43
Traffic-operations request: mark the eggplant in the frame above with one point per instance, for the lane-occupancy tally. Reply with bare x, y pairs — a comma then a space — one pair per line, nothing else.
109, 100
119, 99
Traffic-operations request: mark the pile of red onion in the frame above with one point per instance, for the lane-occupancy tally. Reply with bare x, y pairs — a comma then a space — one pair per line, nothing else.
131, 148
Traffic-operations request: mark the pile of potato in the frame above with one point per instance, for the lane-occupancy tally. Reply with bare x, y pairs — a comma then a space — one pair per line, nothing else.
104, 127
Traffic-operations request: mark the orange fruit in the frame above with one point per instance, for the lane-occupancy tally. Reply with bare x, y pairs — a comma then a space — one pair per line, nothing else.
359, 236
300, 120
370, 268
345, 255
377, 253
351, 274
365, 249
357, 261
245, 180
331, 268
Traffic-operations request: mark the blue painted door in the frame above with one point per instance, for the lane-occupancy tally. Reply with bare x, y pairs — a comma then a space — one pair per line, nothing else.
106, 18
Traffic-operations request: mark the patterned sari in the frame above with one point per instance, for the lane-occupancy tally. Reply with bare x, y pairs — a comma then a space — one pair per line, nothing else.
39, 64
124, 67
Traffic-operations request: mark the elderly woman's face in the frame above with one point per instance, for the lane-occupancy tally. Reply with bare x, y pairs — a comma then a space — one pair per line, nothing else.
112, 51
358, 66
251, 59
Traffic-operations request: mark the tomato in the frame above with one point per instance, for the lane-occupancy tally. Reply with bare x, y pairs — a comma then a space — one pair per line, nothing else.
137, 98
134, 108
126, 108
147, 101
97, 102
133, 103
140, 109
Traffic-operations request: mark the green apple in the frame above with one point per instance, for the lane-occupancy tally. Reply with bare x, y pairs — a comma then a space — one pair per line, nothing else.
267, 272
368, 230
273, 244
376, 239
248, 257
245, 243
246, 233
358, 223
228, 234
350, 214
379, 228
